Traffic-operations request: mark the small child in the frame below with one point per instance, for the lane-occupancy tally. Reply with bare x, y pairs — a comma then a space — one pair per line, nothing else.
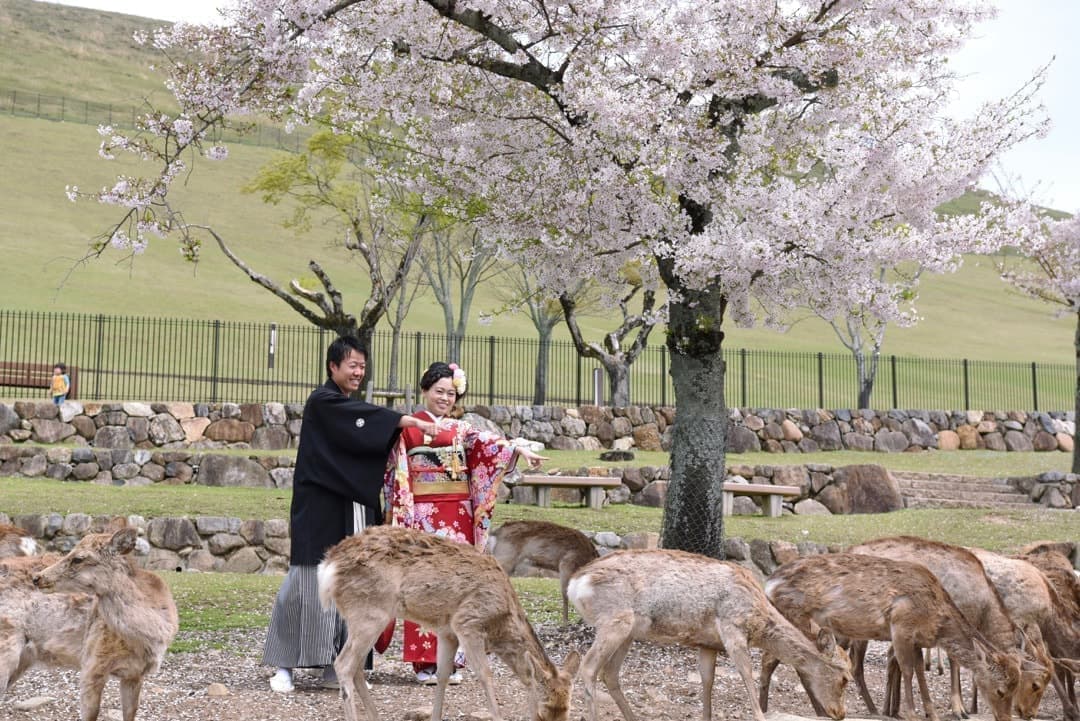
61, 383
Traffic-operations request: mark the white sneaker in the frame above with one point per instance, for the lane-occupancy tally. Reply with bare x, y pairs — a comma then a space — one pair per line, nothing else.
427, 678
455, 679
282, 681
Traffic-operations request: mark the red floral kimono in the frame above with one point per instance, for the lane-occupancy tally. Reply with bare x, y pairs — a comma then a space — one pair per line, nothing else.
444, 485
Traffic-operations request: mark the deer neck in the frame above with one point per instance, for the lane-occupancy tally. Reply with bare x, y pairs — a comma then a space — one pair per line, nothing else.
786, 643
129, 613
521, 651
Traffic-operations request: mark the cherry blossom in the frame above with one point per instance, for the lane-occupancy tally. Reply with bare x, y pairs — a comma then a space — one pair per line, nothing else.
759, 155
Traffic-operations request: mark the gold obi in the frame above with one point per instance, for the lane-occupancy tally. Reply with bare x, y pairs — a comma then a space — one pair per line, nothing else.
440, 487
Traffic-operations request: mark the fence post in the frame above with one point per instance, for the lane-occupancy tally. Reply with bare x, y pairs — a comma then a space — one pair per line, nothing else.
1034, 387
62, 107
97, 356
491, 370
598, 387
416, 358
578, 379
742, 376
663, 375
967, 388
892, 364
14, 99
214, 372
821, 379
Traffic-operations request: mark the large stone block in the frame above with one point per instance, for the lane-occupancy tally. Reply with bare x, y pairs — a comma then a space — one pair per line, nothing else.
173, 533
229, 430
868, 488
221, 470
113, 437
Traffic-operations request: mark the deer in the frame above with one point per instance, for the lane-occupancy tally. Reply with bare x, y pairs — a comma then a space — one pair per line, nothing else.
1032, 600
674, 597
1059, 572
461, 594
523, 547
861, 597
129, 625
15, 541
963, 577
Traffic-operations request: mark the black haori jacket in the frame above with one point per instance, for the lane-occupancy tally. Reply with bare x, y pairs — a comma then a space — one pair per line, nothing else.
344, 444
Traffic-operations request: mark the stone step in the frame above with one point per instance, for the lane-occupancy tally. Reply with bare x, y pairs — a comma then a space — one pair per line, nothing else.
969, 496
914, 485
951, 478
921, 502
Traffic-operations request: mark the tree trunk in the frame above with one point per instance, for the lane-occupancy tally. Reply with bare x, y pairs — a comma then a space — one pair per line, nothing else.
453, 347
867, 376
693, 519
540, 374
618, 373
1076, 413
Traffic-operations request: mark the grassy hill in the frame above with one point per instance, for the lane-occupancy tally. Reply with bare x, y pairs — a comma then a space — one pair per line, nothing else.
89, 55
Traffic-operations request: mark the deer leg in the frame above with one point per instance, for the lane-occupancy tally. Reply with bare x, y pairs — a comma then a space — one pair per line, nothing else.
565, 572
610, 674
349, 664
738, 651
706, 661
890, 705
476, 653
611, 634
91, 683
1068, 705
956, 700
768, 667
444, 666
974, 695
12, 663
130, 688
857, 649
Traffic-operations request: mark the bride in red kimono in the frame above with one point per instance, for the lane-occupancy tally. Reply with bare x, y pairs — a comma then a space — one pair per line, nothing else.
445, 485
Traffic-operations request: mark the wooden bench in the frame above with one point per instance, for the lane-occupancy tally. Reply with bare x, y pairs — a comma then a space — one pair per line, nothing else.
34, 375
389, 397
593, 486
773, 495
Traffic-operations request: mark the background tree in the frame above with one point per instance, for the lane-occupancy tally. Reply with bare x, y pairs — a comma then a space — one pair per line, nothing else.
545, 311
1046, 265
615, 353
455, 262
862, 330
747, 149
380, 221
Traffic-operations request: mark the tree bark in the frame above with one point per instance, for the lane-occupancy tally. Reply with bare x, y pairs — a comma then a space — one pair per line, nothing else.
540, 373
1076, 409
618, 374
693, 519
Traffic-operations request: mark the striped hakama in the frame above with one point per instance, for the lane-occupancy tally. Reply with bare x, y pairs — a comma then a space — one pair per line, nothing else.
302, 634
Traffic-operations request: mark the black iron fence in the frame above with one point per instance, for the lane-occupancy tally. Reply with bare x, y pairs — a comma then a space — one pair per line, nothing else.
31, 104
168, 359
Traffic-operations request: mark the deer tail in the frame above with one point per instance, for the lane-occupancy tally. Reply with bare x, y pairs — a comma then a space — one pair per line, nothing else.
327, 575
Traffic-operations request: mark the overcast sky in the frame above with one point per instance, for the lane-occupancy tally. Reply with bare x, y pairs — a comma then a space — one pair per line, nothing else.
1026, 35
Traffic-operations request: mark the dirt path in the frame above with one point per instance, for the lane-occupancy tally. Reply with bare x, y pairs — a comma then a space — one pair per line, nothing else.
660, 682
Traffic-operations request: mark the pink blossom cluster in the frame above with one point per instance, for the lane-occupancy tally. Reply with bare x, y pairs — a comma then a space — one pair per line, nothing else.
581, 136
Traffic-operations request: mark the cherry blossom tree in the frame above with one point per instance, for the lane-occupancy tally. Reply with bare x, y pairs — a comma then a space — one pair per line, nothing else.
1047, 267
749, 149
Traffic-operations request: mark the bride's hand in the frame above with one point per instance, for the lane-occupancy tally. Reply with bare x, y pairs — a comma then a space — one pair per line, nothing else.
535, 460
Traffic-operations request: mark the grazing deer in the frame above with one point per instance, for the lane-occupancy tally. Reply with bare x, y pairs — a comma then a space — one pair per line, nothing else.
459, 593
132, 620
1032, 600
15, 541
865, 598
523, 547
673, 597
1059, 572
963, 577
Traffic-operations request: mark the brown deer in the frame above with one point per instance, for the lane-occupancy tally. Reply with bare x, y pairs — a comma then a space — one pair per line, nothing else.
524, 547
865, 598
459, 593
15, 541
132, 621
1032, 600
1058, 570
673, 597
963, 577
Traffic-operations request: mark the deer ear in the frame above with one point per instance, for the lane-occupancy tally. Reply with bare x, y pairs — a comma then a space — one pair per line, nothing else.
571, 663
826, 642
123, 541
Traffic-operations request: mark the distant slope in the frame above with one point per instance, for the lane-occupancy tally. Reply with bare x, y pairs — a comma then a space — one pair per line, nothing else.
89, 55
85, 54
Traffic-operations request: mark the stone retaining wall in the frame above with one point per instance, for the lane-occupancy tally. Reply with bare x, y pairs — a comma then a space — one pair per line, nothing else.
273, 426
214, 543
